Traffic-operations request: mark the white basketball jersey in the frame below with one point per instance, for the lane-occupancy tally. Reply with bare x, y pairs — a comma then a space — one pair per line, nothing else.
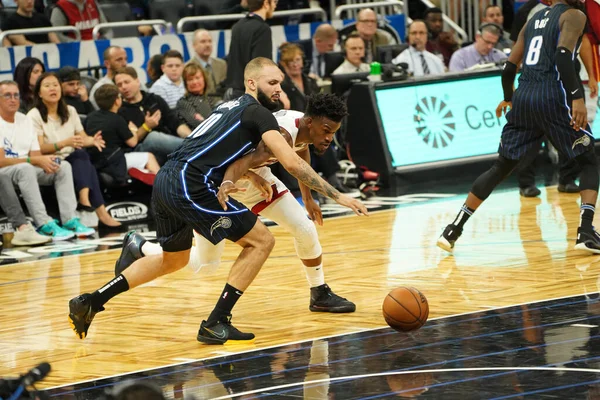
289, 120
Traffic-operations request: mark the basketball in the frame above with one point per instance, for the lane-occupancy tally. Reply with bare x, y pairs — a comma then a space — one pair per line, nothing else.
405, 309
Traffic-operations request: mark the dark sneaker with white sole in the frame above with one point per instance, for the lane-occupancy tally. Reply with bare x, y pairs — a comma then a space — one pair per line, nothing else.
449, 237
588, 240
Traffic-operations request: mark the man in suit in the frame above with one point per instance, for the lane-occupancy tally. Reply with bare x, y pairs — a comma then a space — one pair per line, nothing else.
324, 40
420, 61
216, 68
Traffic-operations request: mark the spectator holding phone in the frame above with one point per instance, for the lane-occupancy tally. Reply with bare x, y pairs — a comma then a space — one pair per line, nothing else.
60, 133
156, 126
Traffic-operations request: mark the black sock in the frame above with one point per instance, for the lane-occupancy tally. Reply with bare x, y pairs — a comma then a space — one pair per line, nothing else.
111, 289
229, 297
587, 215
463, 216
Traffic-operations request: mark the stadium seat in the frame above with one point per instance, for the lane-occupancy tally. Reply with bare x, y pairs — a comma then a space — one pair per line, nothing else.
119, 11
333, 59
88, 81
204, 8
170, 10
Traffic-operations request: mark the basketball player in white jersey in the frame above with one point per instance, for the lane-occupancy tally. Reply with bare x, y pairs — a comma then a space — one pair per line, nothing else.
263, 193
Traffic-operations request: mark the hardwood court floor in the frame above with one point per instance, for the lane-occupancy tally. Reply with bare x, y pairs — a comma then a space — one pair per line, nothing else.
513, 251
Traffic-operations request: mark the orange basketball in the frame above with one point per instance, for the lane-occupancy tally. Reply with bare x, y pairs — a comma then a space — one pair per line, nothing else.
405, 309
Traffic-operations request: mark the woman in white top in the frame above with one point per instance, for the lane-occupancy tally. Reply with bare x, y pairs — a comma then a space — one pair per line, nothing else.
60, 132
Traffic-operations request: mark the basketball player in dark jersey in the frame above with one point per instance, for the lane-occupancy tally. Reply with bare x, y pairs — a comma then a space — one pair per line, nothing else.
184, 198
549, 101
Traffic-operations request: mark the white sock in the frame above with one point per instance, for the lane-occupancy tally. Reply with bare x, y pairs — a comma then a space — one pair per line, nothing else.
315, 275
151, 249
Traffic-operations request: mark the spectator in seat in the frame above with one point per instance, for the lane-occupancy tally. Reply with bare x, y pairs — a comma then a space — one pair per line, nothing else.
5, 43
82, 14
170, 85
324, 40
26, 74
153, 69
157, 127
366, 27
74, 93
216, 68
119, 139
115, 57
493, 15
420, 61
27, 18
61, 134
250, 38
354, 47
442, 44
483, 51
195, 105
22, 165
295, 84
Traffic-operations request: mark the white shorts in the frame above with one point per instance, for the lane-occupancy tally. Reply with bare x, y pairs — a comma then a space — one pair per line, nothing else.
252, 198
136, 160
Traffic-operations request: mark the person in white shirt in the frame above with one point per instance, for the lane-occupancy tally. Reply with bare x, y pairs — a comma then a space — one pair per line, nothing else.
170, 85
354, 47
60, 133
22, 165
420, 61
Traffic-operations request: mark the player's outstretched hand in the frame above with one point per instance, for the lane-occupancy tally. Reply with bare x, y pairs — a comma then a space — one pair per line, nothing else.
503, 108
314, 211
356, 205
264, 186
579, 113
225, 189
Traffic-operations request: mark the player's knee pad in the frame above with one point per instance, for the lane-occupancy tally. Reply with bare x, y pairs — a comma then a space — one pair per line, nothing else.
290, 215
306, 240
205, 255
589, 178
486, 182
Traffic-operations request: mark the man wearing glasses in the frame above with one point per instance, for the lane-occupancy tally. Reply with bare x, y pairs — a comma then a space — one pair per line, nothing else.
366, 27
22, 165
483, 51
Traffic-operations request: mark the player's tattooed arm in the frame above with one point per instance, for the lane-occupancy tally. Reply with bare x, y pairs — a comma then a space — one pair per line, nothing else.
305, 190
307, 176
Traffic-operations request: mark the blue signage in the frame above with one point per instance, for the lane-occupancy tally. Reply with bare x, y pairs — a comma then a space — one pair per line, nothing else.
139, 49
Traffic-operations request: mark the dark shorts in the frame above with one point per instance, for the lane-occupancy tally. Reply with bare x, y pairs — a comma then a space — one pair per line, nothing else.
542, 110
182, 203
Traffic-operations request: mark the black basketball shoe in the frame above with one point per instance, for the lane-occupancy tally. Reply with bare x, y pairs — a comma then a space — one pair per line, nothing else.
449, 237
221, 331
132, 250
588, 240
322, 299
81, 314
